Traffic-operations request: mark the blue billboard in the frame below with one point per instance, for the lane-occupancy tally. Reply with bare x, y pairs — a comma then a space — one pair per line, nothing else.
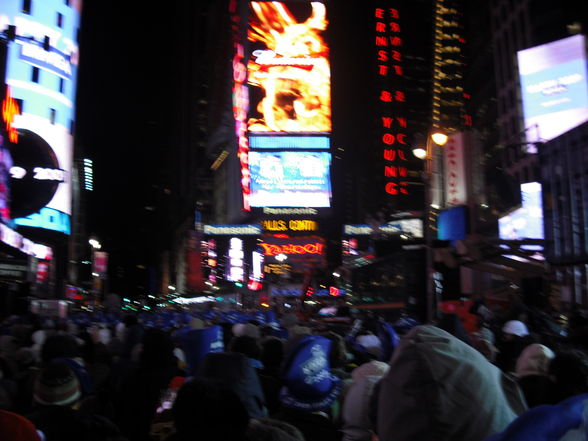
290, 179
42, 63
554, 87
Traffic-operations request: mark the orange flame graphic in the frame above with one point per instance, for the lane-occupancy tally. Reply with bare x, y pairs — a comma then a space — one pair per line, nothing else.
293, 70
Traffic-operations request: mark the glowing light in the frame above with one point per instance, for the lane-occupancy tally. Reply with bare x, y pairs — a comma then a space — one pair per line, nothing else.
293, 70
420, 153
309, 248
9, 110
439, 138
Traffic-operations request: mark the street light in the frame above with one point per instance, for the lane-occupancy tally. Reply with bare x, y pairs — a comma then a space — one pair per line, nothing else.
434, 138
95, 244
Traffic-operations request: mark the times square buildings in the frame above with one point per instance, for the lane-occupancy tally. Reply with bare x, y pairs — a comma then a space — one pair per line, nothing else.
296, 163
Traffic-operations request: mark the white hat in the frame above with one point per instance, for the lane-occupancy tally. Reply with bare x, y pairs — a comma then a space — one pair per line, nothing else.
371, 343
534, 360
372, 368
515, 327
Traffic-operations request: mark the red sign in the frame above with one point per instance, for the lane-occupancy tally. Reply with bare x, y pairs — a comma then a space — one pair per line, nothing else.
9, 110
291, 248
392, 99
240, 104
302, 252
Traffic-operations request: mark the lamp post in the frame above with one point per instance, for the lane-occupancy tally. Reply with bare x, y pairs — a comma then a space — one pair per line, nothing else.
99, 263
434, 138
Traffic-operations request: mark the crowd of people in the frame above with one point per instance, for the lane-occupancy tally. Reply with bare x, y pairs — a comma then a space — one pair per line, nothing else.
257, 376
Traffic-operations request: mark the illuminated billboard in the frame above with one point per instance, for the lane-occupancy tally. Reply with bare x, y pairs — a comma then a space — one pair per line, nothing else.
554, 87
41, 72
290, 179
301, 252
527, 221
288, 69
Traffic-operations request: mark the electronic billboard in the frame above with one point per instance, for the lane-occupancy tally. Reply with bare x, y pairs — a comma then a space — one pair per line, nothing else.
290, 179
289, 73
41, 72
527, 221
554, 87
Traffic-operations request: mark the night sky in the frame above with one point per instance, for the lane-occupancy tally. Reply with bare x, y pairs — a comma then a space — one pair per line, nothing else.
121, 115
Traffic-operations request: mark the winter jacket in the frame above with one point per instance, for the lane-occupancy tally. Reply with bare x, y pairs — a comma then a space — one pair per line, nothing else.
440, 389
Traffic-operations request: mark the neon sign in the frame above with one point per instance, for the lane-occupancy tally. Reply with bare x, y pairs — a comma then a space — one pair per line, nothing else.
290, 225
290, 248
240, 105
9, 110
392, 100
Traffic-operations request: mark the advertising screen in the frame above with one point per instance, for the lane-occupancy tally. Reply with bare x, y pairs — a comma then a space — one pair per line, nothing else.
452, 223
300, 253
290, 179
527, 221
554, 87
41, 72
289, 70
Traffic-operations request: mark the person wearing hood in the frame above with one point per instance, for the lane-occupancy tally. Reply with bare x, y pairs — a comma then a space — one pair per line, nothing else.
532, 372
440, 388
357, 423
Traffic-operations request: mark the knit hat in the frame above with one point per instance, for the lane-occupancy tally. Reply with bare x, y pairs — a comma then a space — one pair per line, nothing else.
308, 382
515, 327
534, 360
57, 385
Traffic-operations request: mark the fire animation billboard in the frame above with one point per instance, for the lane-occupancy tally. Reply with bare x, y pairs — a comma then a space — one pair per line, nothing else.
289, 71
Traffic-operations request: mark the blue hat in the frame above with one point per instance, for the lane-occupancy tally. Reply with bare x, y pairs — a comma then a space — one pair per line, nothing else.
566, 420
389, 339
308, 382
197, 343
405, 324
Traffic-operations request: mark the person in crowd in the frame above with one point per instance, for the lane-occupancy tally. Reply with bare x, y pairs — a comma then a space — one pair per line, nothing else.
66, 348
515, 338
57, 393
310, 390
266, 429
15, 427
532, 372
567, 421
236, 372
28, 370
371, 344
338, 356
569, 371
137, 393
271, 357
357, 422
205, 410
440, 388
